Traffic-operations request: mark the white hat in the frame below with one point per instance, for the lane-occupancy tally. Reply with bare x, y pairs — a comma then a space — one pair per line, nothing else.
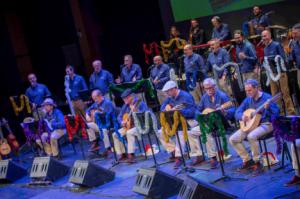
48, 101
169, 85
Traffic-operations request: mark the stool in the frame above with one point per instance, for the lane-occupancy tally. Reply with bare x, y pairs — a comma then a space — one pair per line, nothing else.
264, 139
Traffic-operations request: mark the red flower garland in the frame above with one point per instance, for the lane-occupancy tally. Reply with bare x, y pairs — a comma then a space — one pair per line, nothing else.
79, 123
153, 47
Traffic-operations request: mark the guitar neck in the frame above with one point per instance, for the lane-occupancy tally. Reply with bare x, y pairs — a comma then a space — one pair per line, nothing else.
261, 107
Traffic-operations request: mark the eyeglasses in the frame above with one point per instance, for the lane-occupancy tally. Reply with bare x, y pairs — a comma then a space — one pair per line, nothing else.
209, 88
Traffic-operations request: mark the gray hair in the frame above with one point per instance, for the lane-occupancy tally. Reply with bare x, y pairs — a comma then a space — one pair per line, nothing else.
129, 57
97, 92
209, 81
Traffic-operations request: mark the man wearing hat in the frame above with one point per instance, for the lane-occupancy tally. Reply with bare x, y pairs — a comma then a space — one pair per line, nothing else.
55, 120
131, 104
177, 97
103, 106
255, 98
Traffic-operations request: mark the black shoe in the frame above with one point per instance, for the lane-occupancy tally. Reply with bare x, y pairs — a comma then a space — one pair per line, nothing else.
294, 181
246, 165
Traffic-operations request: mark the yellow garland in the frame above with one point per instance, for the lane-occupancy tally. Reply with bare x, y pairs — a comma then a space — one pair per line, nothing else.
180, 43
23, 100
166, 129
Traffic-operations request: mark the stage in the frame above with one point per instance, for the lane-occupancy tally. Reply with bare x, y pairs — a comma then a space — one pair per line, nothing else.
268, 184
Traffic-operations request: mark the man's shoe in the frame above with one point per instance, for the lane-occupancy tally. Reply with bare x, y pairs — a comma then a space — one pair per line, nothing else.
123, 157
106, 153
294, 181
213, 163
198, 160
178, 163
131, 159
246, 165
95, 147
172, 156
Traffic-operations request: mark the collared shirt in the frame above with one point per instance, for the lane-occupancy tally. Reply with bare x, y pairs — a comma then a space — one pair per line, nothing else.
222, 33
262, 20
128, 74
249, 102
296, 53
106, 106
198, 36
219, 99
162, 73
247, 64
76, 84
194, 63
183, 98
101, 81
273, 49
56, 119
142, 107
219, 58
37, 94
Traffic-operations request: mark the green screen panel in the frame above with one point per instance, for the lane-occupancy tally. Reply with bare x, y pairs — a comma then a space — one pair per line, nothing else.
188, 9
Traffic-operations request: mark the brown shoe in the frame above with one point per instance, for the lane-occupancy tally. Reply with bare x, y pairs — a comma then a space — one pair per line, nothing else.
95, 146
172, 157
246, 165
130, 159
213, 163
178, 163
196, 161
106, 153
123, 157
294, 181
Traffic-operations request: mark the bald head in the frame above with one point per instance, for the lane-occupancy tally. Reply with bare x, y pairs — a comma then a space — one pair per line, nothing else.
97, 65
214, 45
188, 50
266, 37
157, 60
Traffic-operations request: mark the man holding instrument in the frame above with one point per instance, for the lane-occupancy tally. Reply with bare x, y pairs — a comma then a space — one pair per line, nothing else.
256, 100
213, 99
178, 98
131, 104
103, 106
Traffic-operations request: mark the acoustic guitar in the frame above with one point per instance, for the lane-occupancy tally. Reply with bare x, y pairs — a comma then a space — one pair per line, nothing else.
4, 146
127, 119
223, 106
12, 141
255, 116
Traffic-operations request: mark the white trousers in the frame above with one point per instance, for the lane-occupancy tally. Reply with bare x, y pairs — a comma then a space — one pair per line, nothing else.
93, 129
130, 135
295, 165
55, 135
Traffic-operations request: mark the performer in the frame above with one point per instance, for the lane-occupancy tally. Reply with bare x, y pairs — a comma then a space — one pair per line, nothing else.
55, 120
36, 94
254, 99
219, 56
100, 78
213, 99
295, 55
273, 48
260, 22
197, 34
177, 97
296, 178
246, 57
174, 33
193, 63
131, 104
103, 106
159, 75
130, 71
221, 30
76, 83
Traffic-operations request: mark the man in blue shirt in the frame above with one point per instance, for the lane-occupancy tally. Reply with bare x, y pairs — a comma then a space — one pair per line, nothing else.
271, 50
261, 21
255, 98
295, 55
130, 71
103, 106
159, 75
56, 124
75, 83
221, 30
100, 78
176, 98
36, 92
213, 99
219, 56
131, 104
245, 56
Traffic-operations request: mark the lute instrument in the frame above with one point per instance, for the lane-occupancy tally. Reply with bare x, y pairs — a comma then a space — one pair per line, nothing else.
255, 116
223, 106
4, 146
127, 119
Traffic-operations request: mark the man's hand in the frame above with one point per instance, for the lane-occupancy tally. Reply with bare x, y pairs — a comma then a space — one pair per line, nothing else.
245, 118
267, 104
155, 81
242, 55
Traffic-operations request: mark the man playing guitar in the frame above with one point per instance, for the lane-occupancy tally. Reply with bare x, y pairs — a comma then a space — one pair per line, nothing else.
254, 100
213, 99
131, 104
102, 105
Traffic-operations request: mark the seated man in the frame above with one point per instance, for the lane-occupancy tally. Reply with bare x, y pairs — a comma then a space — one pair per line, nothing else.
101, 105
131, 104
56, 124
296, 178
177, 97
213, 99
255, 98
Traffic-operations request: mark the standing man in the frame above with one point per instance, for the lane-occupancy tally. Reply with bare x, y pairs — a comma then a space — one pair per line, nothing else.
272, 49
261, 21
295, 55
193, 63
219, 56
255, 98
131, 104
246, 57
55, 120
100, 78
197, 34
159, 75
221, 30
76, 83
130, 71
